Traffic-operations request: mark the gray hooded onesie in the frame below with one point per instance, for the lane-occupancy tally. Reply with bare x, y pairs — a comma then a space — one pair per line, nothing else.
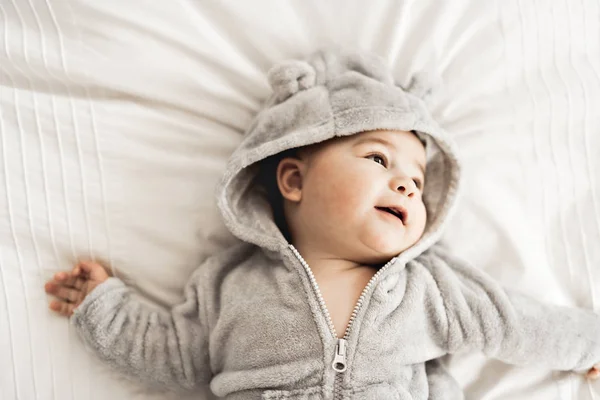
253, 324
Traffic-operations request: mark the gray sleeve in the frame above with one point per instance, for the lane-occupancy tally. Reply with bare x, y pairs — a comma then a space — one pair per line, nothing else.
161, 348
512, 327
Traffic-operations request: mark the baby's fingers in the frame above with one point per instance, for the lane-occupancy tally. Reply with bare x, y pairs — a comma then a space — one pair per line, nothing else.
69, 279
64, 293
62, 307
66, 278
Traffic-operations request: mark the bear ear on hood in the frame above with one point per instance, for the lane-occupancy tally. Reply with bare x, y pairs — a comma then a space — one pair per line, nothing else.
289, 77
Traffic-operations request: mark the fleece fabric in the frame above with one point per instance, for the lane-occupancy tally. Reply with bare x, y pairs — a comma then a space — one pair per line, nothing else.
252, 325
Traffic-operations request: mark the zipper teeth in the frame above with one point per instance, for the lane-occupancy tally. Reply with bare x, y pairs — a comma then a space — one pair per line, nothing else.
338, 382
313, 281
322, 301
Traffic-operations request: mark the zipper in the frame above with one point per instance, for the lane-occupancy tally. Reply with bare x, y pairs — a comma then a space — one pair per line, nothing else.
339, 358
339, 364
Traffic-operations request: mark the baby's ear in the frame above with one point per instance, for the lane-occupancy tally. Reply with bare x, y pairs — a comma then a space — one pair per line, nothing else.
290, 172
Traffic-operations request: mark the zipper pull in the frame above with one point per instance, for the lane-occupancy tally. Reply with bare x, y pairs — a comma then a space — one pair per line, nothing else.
339, 360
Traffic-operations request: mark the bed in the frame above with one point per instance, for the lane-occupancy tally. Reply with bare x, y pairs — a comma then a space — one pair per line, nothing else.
117, 119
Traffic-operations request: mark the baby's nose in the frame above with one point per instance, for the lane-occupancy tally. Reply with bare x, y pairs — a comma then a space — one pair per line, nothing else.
405, 186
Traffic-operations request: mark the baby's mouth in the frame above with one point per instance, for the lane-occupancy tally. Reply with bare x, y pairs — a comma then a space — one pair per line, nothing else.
395, 211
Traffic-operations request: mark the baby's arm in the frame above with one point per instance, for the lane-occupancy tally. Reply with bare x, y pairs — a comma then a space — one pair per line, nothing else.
165, 348
510, 326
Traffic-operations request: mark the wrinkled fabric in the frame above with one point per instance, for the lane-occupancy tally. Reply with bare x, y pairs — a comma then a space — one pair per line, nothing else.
251, 324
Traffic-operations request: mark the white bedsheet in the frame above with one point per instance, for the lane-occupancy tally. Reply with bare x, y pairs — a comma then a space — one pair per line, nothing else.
117, 118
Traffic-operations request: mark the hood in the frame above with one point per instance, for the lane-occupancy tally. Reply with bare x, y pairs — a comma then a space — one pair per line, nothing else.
333, 93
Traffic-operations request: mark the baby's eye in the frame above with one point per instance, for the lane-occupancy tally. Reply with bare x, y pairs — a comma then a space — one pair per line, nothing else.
418, 183
378, 158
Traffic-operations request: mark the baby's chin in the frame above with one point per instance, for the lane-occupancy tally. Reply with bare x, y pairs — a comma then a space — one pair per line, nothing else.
380, 253
381, 242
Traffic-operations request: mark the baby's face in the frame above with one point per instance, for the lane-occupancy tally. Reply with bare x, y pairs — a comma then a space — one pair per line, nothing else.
362, 195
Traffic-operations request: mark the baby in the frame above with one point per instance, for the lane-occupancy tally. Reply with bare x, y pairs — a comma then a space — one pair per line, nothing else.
339, 193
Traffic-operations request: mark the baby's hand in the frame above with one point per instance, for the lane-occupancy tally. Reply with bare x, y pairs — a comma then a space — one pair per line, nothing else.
594, 372
71, 287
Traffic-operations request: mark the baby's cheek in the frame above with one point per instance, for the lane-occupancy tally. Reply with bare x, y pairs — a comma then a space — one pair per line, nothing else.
421, 219
342, 202
340, 194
